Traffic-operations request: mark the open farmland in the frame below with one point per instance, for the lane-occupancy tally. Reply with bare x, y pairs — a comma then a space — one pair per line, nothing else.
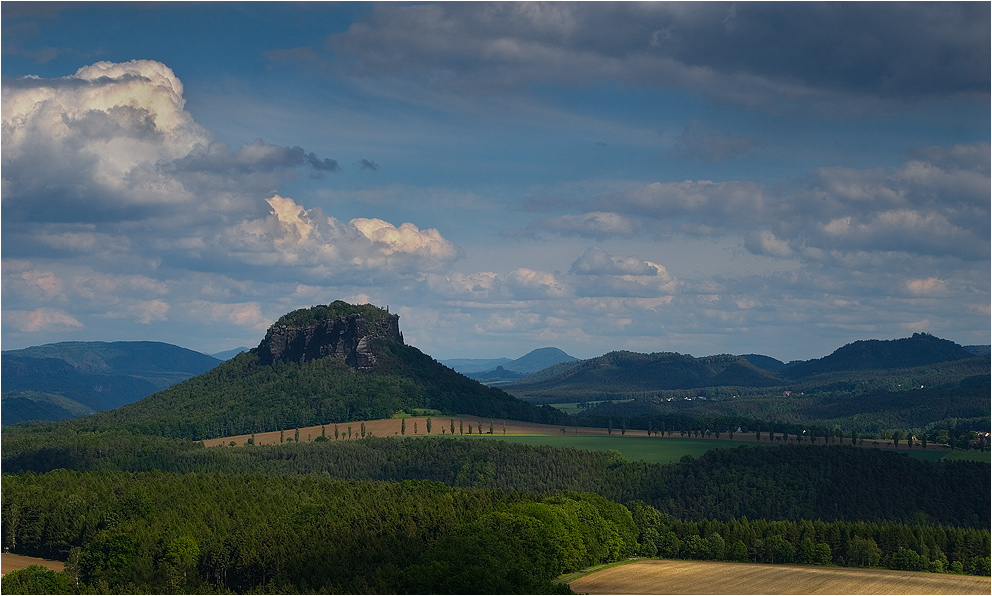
635, 445
652, 576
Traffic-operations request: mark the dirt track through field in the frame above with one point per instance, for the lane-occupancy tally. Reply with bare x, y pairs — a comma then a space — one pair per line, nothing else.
650, 576
10, 562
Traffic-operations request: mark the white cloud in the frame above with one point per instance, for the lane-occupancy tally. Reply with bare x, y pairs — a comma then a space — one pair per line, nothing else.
597, 261
113, 146
596, 224
928, 286
40, 319
764, 242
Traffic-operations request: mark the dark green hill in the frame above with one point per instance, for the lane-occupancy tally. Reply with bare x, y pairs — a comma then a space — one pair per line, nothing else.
919, 350
91, 376
311, 369
765, 362
626, 372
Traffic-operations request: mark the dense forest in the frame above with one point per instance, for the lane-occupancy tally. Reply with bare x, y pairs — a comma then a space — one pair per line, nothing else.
790, 482
157, 532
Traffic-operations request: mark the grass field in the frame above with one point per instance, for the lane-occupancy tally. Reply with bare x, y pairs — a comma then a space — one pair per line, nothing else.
652, 576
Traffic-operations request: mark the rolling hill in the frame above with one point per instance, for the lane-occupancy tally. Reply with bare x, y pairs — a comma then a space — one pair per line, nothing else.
72, 379
918, 350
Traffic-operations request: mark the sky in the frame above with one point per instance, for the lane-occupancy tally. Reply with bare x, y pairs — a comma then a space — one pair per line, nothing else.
702, 178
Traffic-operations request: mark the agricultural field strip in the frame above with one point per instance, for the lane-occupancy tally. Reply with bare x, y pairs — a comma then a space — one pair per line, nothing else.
11, 562
635, 445
654, 576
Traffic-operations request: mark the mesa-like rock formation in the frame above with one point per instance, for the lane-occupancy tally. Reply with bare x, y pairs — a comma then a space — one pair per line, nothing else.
347, 337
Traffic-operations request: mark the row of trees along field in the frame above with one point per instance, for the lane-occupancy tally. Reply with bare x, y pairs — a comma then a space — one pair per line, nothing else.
787, 482
158, 532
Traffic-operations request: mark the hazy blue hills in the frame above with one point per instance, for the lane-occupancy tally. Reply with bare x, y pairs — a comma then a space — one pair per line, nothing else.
72, 379
228, 354
530, 362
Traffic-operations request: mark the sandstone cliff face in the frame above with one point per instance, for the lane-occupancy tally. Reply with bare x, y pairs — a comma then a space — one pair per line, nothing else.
345, 338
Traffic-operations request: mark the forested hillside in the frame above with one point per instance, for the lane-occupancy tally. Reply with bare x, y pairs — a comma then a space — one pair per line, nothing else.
918, 350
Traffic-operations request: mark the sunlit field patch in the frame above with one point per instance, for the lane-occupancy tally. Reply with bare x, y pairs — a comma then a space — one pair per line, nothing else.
652, 576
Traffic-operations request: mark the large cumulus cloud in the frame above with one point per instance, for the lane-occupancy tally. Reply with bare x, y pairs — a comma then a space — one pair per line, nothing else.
108, 174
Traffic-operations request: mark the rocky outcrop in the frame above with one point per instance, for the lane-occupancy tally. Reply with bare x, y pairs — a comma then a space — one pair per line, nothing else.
347, 338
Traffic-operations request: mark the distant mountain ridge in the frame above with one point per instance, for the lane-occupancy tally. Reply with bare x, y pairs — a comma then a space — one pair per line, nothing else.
228, 354
630, 372
71, 379
624, 371
530, 362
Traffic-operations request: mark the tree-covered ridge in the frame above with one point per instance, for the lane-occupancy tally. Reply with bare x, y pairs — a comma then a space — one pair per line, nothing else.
307, 317
861, 366
918, 350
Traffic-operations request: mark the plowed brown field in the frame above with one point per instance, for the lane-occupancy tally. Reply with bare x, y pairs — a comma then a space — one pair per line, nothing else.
650, 576
10, 562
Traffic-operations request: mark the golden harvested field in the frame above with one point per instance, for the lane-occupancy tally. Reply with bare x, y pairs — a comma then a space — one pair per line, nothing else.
652, 576
10, 562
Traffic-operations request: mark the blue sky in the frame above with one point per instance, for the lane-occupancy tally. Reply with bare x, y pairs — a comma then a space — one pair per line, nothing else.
704, 178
